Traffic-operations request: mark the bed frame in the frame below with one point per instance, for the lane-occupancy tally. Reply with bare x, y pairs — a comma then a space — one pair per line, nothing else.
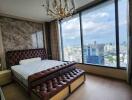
13, 58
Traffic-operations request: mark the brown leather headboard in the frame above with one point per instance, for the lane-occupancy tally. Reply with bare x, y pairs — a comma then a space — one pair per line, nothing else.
13, 57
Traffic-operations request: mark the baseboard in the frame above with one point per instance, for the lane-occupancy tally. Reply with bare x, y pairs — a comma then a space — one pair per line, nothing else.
1, 94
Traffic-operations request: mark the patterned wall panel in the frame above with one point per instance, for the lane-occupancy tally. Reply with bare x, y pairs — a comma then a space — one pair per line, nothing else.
19, 34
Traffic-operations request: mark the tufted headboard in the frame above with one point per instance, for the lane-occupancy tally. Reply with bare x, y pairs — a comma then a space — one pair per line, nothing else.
13, 57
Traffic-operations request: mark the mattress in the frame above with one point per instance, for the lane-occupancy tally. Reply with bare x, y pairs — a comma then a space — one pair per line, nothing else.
20, 78
23, 71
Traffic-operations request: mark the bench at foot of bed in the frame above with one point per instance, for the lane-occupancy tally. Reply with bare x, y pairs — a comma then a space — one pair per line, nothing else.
59, 87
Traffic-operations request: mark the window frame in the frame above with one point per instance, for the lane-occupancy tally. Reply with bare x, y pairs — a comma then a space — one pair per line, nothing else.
89, 6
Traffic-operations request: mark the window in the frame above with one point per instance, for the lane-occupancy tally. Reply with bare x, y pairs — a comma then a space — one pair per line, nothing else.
40, 39
123, 32
37, 39
97, 35
71, 39
34, 40
99, 39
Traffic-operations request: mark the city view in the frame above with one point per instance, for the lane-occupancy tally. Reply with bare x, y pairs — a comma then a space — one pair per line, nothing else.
98, 43
100, 54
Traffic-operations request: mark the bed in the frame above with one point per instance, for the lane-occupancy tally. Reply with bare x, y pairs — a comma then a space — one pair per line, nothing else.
32, 75
22, 72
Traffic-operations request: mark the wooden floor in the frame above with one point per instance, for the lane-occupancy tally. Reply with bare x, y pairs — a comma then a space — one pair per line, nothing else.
95, 88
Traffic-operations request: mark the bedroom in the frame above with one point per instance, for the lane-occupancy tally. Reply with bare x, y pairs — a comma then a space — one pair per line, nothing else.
72, 56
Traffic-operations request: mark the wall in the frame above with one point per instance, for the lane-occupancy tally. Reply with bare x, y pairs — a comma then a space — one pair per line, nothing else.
107, 72
19, 34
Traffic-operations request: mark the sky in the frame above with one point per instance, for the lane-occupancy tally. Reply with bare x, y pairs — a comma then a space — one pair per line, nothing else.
98, 25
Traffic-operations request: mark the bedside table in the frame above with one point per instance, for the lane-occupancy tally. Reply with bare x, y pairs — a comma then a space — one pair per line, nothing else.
5, 77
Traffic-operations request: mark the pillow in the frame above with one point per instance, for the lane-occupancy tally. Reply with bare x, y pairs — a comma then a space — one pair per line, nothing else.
31, 60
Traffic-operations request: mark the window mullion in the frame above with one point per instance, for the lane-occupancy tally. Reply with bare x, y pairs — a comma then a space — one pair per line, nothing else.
81, 35
117, 33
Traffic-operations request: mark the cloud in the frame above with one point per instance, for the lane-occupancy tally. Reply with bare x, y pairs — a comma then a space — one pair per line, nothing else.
71, 28
102, 14
89, 25
95, 27
95, 16
71, 24
71, 35
97, 23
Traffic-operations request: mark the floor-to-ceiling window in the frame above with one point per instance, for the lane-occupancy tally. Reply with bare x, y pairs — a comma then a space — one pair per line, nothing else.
71, 39
97, 35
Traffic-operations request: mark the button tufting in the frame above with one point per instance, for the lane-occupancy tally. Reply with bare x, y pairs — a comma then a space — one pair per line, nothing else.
53, 85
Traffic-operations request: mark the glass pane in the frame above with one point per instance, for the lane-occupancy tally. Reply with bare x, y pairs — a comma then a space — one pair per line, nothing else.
34, 40
71, 39
99, 41
40, 39
123, 32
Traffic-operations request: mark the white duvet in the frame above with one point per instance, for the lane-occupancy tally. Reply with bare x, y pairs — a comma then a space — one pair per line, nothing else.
29, 69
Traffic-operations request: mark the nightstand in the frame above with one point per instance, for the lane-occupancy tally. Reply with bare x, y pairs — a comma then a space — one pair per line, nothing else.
5, 77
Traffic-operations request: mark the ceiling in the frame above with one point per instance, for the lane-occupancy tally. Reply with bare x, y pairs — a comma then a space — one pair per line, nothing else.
30, 9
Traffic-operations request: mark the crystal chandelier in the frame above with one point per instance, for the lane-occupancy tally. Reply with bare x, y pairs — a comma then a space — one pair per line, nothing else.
59, 9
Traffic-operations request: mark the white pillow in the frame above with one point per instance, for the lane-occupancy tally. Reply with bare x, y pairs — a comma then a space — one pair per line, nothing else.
31, 60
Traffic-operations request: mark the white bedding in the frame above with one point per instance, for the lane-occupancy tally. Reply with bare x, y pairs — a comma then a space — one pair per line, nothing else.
23, 71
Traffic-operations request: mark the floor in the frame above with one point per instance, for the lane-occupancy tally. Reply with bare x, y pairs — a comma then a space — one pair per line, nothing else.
95, 88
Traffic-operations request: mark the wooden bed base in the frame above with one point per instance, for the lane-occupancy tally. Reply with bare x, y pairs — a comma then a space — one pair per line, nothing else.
67, 91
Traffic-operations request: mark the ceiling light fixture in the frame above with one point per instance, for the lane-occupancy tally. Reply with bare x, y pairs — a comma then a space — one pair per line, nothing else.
59, 9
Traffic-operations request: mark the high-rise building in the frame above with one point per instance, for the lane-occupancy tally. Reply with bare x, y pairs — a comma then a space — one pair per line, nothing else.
94, 53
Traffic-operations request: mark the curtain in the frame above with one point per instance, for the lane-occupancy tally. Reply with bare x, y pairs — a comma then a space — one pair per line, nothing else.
54, 36
129, 70
2, 53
